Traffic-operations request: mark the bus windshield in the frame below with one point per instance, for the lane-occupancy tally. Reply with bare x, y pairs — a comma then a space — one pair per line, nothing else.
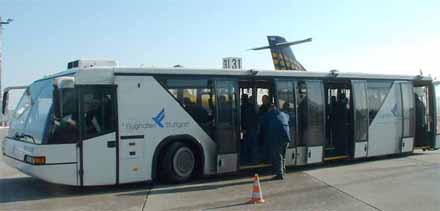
29, 120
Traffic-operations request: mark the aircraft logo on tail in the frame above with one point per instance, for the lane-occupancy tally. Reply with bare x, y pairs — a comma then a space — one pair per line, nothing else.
282, 55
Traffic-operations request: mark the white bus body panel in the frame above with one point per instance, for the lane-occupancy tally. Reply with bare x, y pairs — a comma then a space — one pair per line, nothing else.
437, 140
99, 161
360, 149
301, 156
314, 154
140, 98
61, 161
226, 162
384, 134
290, 156
407, 144
132, 160
306, 155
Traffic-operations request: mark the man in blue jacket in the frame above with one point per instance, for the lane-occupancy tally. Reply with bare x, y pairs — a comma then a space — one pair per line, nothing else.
275, 127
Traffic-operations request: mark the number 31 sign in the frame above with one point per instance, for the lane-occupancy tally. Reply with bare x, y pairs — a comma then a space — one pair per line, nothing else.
232, 63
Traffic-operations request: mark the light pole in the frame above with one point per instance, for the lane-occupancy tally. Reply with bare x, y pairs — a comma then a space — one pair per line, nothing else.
3, 122
8, 21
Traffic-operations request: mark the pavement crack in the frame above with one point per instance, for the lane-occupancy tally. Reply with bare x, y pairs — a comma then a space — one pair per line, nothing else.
149, 187
346, 193
423, 161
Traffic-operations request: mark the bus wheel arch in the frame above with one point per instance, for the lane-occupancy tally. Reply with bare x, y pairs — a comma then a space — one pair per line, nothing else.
162, 150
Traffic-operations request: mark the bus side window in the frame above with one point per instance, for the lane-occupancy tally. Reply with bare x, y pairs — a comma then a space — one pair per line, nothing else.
97, 110
196, 97
377, 92
65, 130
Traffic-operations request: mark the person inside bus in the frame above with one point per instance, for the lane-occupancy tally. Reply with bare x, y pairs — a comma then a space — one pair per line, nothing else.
265, 106
420, 117
64, 130
264, 153
249, 126
276, 131
331, 118
197, 111
225, 108
91, 116
342, 120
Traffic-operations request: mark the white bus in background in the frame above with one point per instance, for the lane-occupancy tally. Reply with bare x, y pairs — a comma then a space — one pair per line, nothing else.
106, 125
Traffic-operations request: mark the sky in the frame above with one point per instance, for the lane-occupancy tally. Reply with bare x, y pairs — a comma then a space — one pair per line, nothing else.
390, 37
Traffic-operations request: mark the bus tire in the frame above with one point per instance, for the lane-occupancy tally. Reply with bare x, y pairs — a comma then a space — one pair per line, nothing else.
178, 163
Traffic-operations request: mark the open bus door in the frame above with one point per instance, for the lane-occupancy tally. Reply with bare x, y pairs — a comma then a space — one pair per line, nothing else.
437, 114
408, 116
285, 100
227, 125
360, 116
311, 121
425, 115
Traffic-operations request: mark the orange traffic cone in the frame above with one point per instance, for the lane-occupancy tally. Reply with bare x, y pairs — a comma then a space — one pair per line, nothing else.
257, 195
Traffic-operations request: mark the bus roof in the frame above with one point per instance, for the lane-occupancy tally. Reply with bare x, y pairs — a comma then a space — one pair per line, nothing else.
104, 75
256, 72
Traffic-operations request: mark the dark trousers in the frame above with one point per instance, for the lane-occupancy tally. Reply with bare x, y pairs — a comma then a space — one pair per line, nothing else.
250, 146
278, 154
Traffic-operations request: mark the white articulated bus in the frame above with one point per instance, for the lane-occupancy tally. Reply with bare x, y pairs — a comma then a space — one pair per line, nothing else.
106, 125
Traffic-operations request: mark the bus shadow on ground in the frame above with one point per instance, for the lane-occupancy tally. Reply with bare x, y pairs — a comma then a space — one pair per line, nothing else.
204, 183
28, 188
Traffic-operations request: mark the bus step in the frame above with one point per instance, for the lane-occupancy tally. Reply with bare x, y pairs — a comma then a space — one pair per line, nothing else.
336, 158
255, 166
424, 148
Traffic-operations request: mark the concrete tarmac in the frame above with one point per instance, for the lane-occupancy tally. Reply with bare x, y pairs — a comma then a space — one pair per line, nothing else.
396, 183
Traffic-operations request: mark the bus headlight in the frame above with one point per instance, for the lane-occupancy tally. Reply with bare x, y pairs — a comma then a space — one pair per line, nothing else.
35, 160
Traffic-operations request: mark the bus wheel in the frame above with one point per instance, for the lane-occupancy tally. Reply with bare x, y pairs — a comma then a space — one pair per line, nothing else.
179, 163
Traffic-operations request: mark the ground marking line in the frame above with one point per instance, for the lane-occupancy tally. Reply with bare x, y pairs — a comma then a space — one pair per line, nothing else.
149, 186
341, 191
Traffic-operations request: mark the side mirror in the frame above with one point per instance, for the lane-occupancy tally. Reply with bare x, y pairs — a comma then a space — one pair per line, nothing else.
60, 84
5, 101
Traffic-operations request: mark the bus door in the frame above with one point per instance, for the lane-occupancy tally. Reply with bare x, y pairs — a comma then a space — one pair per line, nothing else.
425, 134
408, 116
227, 125
437, 112
97, 135
361, 123
285, 100
311, 121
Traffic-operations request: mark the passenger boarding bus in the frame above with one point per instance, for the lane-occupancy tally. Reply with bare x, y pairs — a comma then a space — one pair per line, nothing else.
105, 125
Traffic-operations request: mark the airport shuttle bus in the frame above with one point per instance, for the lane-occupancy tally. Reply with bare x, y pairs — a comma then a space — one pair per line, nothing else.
105, 125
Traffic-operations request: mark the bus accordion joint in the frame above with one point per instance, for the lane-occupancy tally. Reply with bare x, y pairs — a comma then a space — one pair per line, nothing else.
35, 160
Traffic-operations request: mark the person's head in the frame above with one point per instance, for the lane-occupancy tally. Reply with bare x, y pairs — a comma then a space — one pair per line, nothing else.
222, 99
265, 99
333, 99
244, 98
343, 98
92, 104
186, 101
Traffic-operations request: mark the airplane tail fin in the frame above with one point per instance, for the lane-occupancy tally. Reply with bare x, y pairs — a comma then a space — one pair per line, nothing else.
282, 55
